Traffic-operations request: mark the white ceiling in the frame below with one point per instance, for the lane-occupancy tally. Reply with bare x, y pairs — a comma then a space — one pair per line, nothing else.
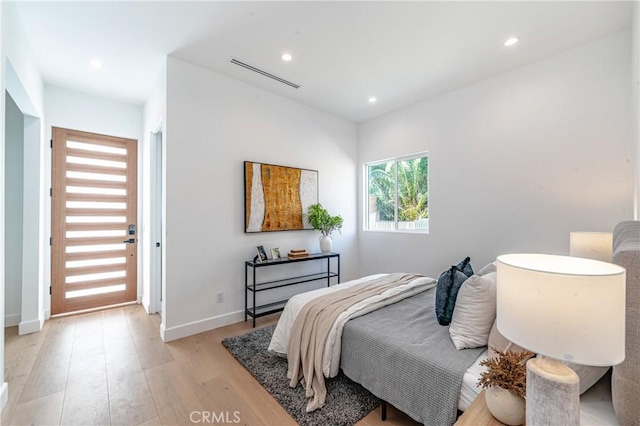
344, 52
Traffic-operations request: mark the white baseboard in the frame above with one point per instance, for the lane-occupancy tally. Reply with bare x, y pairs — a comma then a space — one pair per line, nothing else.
12, 320
28, 327
195, 327
4, 395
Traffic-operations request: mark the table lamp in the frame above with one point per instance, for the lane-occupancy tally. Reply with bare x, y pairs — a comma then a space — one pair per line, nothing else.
565, 309
591, 245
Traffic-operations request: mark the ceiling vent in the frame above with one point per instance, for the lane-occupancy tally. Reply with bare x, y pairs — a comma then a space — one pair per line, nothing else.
266, 74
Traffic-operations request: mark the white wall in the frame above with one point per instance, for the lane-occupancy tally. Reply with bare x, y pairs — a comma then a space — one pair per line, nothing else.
21, 79
89, 113
78, 111
214, 124
24, 84
517, 161
17, 52
635, 57
33, 235
153, 121
4, 388
14, 178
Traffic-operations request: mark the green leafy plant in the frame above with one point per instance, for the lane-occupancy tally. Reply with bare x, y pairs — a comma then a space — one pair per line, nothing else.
507, 370
322, 221
412, 190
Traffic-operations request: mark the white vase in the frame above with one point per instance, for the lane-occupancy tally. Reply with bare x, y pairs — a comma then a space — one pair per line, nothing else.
505, 406
325, 243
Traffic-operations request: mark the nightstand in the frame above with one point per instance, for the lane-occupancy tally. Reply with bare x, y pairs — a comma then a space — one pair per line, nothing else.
478, 414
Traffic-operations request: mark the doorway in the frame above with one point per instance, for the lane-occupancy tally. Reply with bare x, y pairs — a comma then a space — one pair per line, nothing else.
93, 221
24, 219
157, 246
14, 211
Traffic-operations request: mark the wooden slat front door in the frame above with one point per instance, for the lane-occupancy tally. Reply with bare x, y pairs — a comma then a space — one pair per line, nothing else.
94, 211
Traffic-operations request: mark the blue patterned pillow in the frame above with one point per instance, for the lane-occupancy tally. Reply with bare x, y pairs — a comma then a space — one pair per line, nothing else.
447, 289
465, 266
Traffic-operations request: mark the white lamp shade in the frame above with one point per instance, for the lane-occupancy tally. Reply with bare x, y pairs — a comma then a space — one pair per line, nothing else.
567, 308
591, 245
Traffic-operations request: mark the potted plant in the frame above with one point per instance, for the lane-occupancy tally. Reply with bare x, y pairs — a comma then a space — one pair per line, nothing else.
321, 220
505, 381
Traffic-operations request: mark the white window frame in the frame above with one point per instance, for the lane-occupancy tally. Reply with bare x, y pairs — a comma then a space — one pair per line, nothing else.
367, 215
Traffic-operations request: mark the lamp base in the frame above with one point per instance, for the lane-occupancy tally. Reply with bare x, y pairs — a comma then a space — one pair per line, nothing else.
553, 393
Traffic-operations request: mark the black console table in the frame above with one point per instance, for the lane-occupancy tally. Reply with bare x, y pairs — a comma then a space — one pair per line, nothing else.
254, 287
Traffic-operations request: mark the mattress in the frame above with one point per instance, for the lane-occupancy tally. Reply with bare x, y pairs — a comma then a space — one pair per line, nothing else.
468, 390
596, 407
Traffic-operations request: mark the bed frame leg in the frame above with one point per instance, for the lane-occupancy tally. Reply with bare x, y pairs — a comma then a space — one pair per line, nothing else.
384, 411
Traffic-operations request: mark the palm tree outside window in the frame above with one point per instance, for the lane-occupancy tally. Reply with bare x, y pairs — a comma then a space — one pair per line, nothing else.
398, 194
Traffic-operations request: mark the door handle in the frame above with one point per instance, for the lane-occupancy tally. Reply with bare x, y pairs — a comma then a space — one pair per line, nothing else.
130, 241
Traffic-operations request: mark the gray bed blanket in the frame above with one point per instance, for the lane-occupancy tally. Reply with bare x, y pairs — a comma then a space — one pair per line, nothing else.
402, 355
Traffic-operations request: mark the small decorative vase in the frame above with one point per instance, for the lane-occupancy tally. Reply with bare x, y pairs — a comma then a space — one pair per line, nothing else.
505, 406
325, 243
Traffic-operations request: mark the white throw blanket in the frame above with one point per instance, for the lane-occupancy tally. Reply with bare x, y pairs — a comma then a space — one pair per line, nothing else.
331, 357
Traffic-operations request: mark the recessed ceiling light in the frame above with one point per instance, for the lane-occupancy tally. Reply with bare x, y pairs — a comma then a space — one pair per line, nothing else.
372, 99
511, 41
96, 64
286, 57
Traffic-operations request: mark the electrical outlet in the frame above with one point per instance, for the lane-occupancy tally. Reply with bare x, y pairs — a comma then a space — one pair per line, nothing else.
220, 297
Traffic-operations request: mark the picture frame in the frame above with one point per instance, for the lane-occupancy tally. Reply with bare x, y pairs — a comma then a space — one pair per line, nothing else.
262, 254
276, 198
275, 253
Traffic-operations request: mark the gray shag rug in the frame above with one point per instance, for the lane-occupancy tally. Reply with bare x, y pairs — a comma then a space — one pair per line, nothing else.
347, 402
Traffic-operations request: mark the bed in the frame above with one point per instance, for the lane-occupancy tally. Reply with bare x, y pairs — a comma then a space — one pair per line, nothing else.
404, 318
403, 356
408, 394
385, 351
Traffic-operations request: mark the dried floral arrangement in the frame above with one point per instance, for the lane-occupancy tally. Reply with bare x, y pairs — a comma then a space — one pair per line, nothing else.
507, 370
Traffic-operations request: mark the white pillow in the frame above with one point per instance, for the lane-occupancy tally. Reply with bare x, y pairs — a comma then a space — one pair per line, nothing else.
475, 312
588, 374
489, 268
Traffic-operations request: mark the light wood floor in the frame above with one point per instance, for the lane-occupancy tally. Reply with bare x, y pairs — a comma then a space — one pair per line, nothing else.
111, 367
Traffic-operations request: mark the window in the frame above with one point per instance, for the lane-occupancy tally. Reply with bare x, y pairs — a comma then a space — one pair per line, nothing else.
397, 194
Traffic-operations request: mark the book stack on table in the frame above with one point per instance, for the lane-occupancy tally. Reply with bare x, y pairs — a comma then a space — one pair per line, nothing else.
294, 254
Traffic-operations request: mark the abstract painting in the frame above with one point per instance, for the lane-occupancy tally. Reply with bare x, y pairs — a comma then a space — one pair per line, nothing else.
277, 197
